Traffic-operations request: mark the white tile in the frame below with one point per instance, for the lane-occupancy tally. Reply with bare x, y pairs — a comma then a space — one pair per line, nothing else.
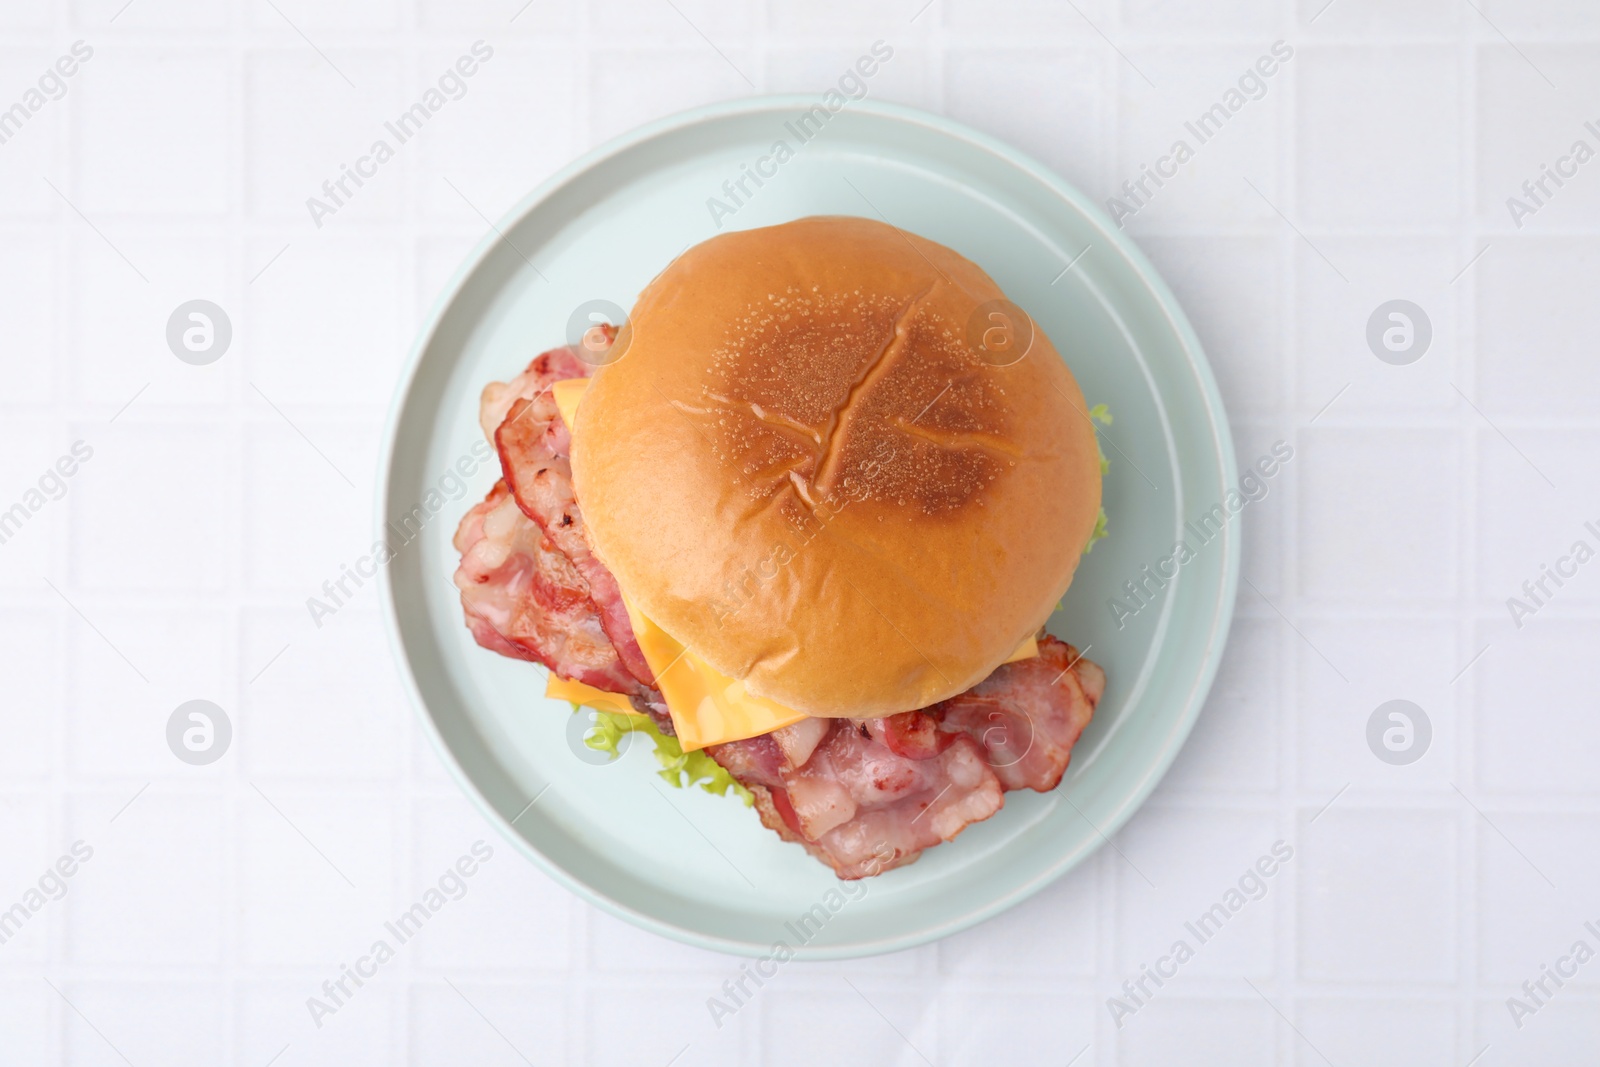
177, 1022
660, 83
532, 91
36, 689
1212, 855
789, 1021
903, 79
1384, 660
325, 325
1524, 923
1377, 513
1536, 320
33, 845
116, 722
1267, 449
302, 129
25, 17
27, 1018
162, 860
1542, 17
1235, 741
33, 512
153, 132
306, 15
328, 705
645, 1023
152, 15
1526, 528
1014, 19
1004, 1027
27, 155
142, 483
1558, 1030
495, 15
722, 22
1231, 288
1172, 17
1336, 367
1377, 896
363, 1031
487, 1024
1046, 103
290, 483
1379, 19
296, 852
1378, 135
1382, 1033
1053, 934
1205, 1033
508, 914
118, 328
28, 308
1525, 127
1534, 723
1215, 104
840, 18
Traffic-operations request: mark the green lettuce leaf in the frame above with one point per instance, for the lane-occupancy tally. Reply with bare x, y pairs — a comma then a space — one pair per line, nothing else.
679, 769
1101, 414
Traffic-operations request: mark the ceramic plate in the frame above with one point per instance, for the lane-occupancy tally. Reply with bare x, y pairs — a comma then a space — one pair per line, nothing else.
701, 868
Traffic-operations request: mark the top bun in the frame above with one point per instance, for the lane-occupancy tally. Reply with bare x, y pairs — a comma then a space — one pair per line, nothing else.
832, 461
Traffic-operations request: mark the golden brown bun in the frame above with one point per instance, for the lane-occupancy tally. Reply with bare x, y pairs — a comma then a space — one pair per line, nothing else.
802, 470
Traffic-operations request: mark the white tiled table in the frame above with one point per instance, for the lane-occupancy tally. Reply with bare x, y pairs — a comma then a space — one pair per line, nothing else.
176, 567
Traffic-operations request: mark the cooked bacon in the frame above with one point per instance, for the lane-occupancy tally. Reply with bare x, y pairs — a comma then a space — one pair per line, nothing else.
521, 418
857, 805
874, 793
524, 599
1027, 715
798, 740
547, 368
912, 734
534, 444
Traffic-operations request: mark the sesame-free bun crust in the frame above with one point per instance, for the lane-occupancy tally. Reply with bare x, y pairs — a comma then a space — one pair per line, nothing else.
803, 470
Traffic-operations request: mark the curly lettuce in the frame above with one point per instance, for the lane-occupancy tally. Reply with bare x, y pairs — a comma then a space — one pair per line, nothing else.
679, 769
1101, 414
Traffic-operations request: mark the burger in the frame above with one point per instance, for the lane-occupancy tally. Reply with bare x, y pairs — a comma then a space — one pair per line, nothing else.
803, 518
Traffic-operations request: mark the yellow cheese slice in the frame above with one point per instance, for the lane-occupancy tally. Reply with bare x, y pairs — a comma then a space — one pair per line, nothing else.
1027, 650
559, 688
707, 707
566, 395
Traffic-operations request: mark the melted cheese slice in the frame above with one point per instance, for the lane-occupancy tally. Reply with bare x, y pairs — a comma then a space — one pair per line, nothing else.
559, 688
707, 707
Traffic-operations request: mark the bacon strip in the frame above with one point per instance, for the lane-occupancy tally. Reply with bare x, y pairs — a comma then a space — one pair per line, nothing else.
874, 793
547, 368
858, 806
1027, 715
524, 599
534, 445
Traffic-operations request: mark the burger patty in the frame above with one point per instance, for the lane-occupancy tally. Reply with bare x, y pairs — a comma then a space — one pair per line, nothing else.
862, 795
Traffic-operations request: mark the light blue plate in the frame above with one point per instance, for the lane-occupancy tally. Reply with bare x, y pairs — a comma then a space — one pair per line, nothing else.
702, 868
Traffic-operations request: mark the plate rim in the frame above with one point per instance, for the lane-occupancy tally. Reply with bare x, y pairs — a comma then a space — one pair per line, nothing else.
1219, 624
